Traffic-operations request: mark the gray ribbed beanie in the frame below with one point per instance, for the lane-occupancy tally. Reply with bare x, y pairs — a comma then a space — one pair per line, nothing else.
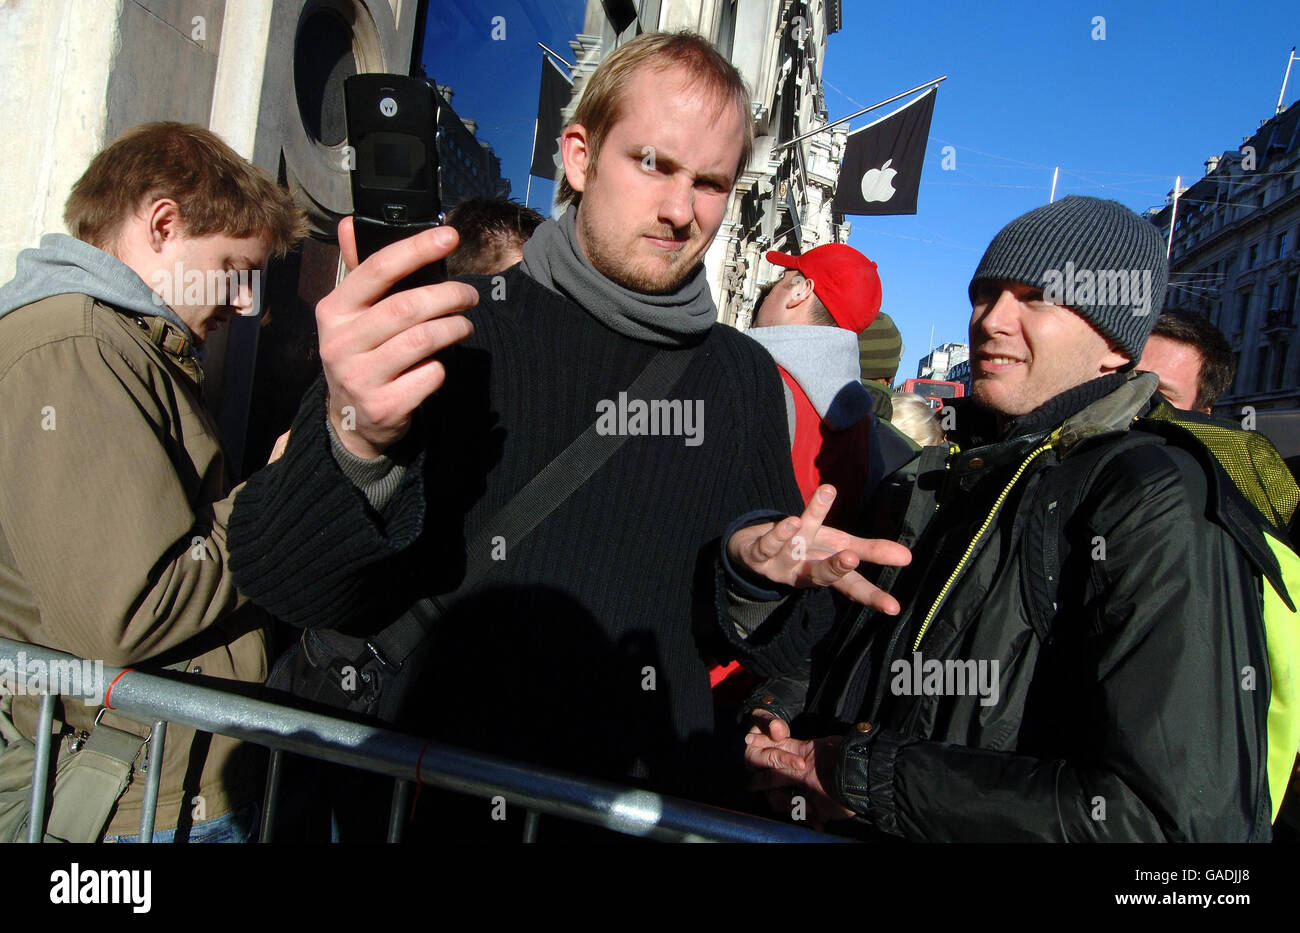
1095, 256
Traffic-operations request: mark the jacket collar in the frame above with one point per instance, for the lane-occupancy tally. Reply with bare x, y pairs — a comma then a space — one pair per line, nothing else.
1102, 406
1114, 411
1107, 403
174, 344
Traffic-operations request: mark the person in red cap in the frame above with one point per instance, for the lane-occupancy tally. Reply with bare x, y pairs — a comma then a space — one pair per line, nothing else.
809, 320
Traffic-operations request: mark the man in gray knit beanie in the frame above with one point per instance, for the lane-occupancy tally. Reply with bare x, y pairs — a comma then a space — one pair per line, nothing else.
1064, 294
1067, 559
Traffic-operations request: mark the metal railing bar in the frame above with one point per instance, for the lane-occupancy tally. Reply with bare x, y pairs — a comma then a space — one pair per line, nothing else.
531, 820
271, 799
147, 697
41, 768
153, 779
401, 803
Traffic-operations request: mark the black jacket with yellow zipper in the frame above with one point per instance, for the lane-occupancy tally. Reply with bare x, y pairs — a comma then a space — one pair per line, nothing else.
1121, 717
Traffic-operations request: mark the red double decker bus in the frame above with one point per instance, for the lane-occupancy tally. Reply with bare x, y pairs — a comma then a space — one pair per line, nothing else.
935, 391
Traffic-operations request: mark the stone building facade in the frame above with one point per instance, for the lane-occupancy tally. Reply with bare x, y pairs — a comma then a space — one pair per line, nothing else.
1234, 259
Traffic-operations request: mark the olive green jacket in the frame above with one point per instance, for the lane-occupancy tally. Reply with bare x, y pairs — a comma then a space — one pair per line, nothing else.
113, 507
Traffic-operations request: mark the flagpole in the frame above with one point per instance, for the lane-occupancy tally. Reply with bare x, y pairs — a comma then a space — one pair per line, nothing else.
529, 190
1286, 77
854, 116
557, 55
1178, 179
1055, 172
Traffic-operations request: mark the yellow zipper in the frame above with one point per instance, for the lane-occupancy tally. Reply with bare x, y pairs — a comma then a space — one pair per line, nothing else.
970, 549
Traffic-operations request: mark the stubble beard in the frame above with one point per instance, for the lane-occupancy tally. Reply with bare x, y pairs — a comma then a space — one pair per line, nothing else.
980, 392
672, 272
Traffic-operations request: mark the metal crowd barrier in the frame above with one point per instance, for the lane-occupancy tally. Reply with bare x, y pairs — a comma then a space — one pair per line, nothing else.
155, 701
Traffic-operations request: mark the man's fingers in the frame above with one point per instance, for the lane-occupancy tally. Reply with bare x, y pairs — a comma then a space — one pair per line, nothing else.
815, 512
373, 279
372, 347
880, 551
400, 315
827, 572
348, 243
768, 725
407, 391
772, 757
771, 544
408, 348
856, 588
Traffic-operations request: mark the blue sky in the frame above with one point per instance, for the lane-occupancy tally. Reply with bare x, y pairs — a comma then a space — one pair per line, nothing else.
1029, 89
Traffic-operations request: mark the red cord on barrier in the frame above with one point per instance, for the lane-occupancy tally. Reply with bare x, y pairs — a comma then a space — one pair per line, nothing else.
109, 692
419, 782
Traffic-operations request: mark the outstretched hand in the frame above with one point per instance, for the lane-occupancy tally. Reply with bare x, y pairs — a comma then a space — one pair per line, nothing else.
801, 551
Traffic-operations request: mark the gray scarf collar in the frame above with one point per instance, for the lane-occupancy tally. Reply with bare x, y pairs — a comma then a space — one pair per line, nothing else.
64, 265
553, 258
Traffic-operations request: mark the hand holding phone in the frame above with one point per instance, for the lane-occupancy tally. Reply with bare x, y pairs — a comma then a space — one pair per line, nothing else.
378, 342
381, 327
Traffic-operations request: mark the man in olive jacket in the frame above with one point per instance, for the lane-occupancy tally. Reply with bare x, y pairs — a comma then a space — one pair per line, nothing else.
113, 488
1077, 652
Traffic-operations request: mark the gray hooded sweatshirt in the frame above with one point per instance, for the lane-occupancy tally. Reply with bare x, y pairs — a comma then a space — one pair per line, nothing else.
825, 363
64, 265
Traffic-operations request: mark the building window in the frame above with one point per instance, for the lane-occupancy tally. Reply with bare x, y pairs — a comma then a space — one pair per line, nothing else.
1281, 246
727, 28
318, 75
1243, 307
1274, 296
1252, 257
1262, 369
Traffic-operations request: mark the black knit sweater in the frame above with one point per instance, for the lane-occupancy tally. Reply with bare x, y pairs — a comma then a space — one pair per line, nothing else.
586, 648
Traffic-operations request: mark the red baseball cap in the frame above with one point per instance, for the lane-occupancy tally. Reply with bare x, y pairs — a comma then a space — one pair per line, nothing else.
846, 282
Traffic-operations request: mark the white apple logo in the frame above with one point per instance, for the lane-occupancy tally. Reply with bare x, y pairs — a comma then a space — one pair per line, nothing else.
878, 183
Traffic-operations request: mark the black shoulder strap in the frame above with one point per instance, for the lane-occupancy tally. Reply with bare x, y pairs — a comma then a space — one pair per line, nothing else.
527, 509
1244, 520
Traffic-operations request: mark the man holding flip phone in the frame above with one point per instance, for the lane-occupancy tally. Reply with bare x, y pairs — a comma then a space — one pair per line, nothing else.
568, 627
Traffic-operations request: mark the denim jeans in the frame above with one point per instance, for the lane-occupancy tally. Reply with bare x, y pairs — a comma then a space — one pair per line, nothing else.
238, 825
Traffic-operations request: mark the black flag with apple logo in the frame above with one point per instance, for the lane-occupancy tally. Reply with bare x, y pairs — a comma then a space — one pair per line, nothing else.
881, 170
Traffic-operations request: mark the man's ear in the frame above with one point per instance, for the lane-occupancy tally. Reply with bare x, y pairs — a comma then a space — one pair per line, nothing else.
164, 222
1113, 359
575, 151
802, 293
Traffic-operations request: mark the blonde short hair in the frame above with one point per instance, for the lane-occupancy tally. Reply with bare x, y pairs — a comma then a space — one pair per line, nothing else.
604, 96
915, 418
